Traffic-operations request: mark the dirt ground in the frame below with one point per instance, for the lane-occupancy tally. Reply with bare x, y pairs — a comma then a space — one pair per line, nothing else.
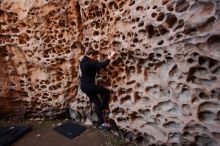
42, 134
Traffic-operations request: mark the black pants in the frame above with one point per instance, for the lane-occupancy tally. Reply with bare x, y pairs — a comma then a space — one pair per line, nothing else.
92, 91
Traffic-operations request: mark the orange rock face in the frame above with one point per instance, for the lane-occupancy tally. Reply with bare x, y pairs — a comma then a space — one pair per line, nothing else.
39, 55
165, 79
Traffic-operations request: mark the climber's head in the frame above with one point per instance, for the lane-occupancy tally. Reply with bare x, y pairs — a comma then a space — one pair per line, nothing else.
91, 53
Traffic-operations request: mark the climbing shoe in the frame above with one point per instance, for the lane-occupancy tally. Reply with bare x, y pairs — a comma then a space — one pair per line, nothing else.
104, 126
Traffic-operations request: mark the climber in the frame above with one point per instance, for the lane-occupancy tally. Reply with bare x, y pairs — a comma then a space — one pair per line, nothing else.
89, 65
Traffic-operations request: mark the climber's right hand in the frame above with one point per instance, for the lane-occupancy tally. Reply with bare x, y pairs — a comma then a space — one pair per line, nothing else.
111, 55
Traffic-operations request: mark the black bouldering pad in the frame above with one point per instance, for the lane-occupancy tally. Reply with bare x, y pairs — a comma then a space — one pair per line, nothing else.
70, 129
10, 134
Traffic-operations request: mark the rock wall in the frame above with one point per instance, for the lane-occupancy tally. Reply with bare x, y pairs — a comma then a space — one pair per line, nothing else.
164, 80
40, 49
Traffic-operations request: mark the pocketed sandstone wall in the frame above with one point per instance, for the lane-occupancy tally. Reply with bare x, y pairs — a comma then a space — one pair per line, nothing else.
40, 48
164, 79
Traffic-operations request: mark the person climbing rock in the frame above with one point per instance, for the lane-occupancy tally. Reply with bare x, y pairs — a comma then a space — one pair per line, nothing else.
89, 66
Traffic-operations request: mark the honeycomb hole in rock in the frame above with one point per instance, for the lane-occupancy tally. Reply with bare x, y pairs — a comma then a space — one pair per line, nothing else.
200, 71
121, 4
134, 116
154, 7
160, 42
135, 40
139, 8
124, 99
96, 33
206, 116
215, 93
113, 5
137, 97
86, 2
203, 96
196, 73
141, 139
213, 39
15, 30
131, 82
160, 16
213, 42
209, 22
190, 60
206, 112
162, 30
204, 140
181, 6
117, 110
180, 24
171, 20
153, 15
150, 30
170, 7
138, 69
140, 24
171, 125
164, 2
118, 19
202, 60
132, 2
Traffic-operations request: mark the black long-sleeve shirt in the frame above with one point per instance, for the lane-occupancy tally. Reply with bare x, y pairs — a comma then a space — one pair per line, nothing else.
89, 68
